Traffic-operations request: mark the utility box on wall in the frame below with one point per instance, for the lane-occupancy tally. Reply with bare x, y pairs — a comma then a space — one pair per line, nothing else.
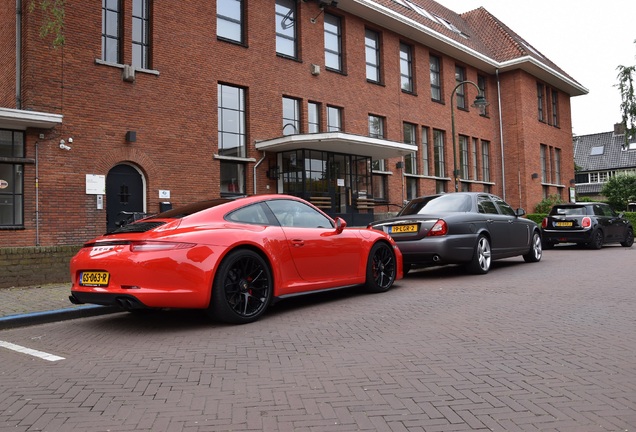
165, 206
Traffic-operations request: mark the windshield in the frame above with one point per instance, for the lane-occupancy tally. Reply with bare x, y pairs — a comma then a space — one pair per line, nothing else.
438, 204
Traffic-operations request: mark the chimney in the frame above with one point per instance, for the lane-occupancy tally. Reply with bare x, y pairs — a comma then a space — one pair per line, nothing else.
619, 129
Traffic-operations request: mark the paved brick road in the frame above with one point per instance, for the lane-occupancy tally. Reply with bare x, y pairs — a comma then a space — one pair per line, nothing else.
528, 347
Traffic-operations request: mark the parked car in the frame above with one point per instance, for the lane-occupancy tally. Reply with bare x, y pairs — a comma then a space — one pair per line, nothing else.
231, 257
468, 228
591, 224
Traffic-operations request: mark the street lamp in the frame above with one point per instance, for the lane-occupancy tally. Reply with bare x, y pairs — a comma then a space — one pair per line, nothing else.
481, 103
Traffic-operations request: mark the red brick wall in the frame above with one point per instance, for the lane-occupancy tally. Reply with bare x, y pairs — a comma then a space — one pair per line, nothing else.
7, 55
175, 113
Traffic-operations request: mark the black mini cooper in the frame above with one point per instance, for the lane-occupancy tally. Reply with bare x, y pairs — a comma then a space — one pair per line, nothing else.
591, 224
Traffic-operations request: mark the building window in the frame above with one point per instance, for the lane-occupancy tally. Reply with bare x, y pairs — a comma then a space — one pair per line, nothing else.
333, 43
425, 150
460, 93
410, 160
111, 34
438, 153
286, 28
372, 49
232, 178
463, 157
229, 20
334, 119
540, 90
11, 179
474, 162
557, 166
436, 80
291, 116
544, 163
141, 34
555, 108
376, 130
376, 126
231, 103
485, 160
406, 68
481, 83
313, 117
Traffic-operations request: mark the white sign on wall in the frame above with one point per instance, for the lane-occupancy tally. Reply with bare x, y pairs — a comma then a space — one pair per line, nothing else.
95, 184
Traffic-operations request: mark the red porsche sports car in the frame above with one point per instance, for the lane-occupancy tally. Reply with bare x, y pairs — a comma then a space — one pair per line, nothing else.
231, 257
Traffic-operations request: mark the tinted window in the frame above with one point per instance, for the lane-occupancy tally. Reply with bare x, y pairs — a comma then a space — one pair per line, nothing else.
504, 207
252, 214
438, 203
569, 211
296, 214
486, 205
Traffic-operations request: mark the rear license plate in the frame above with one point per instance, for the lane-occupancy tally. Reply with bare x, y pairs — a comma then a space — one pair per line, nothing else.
94, 278
403, 229
563, 224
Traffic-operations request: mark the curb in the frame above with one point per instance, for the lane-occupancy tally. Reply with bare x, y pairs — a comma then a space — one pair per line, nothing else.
27, 319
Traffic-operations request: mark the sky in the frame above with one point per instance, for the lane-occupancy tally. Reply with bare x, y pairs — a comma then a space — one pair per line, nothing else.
588, 39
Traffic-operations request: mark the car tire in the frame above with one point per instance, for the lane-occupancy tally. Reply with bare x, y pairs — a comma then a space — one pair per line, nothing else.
536, 251
381, 268
481, 260
242, 289
629, 238
597, 239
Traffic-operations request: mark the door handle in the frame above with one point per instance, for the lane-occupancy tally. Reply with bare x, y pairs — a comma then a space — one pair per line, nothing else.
297, 243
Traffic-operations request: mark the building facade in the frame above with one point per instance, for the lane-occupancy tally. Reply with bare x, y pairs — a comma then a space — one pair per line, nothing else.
601, 156
355, 105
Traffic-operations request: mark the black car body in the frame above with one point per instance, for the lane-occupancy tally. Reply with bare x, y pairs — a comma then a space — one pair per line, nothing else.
591, 224
467, 228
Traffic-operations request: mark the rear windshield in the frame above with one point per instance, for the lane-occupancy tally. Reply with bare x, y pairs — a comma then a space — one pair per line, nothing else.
569, 211
438, 204
178, 213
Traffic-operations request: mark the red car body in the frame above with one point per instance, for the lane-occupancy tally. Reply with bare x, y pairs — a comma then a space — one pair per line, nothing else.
232, 257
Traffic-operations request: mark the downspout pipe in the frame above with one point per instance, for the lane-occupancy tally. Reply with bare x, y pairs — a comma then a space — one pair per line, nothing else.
18, 54
501, 139
256, 166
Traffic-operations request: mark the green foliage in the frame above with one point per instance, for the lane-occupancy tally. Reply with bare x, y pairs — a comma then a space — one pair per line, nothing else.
536, 217
546, 204
620, 190
628, 99
53, 11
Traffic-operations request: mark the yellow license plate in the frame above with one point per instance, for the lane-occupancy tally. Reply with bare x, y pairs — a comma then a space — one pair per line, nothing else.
403, 229
94, 278
564, 224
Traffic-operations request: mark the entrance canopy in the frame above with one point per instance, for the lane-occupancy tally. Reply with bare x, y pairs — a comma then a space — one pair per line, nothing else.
339, 142
22, 119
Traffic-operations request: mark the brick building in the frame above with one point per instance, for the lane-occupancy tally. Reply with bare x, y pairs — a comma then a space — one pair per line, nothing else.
350, 104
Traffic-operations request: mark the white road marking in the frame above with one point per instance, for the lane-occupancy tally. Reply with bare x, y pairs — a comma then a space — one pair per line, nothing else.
29, 351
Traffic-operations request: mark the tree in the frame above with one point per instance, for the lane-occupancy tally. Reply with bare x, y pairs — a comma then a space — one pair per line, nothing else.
628, 100
620, 190
53, 11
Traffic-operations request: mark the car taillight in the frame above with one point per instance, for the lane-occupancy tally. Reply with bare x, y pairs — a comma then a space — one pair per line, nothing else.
157, 246
544, 223
586, 222
439, 229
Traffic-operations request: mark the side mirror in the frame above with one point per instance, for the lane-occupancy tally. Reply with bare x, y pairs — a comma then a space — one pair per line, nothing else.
341, 224
520, 212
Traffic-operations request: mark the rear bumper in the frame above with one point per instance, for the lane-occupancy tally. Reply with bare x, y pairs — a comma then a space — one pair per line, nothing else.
126, 302
431, 251
579, 236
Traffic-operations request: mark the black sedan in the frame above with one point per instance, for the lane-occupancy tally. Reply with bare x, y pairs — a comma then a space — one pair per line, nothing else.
590, 224
467, 228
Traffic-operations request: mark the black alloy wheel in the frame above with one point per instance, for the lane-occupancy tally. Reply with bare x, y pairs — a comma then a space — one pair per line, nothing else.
381, 268
597, 239
629, 238
242, 289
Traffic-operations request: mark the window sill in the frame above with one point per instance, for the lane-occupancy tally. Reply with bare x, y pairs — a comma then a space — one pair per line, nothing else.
121, 66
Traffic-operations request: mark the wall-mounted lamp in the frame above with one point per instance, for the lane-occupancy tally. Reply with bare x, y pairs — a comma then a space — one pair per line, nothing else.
131, 136
535, 176
273, 173
63, 145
